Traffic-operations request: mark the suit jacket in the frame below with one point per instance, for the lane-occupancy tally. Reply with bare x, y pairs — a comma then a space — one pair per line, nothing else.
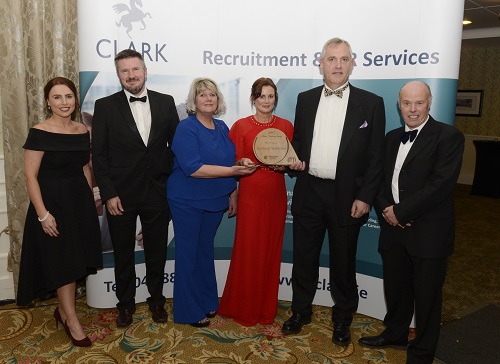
426, 183
359, 164
123, 165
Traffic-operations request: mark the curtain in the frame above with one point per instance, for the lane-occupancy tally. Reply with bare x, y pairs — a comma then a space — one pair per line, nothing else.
38, 41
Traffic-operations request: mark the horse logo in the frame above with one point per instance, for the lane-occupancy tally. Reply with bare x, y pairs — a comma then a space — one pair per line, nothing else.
131, 15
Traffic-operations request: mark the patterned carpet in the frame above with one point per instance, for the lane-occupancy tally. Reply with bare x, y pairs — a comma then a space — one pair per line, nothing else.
30, 336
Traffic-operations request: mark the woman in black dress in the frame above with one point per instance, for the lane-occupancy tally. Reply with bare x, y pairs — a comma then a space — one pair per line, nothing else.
61, 243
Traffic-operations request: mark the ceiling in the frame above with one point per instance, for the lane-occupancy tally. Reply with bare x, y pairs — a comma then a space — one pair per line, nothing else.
485, 28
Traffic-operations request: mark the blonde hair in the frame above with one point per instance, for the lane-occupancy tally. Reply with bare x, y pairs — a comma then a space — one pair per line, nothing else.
201, 84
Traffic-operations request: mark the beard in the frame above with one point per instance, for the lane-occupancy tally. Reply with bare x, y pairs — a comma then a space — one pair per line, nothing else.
134, 90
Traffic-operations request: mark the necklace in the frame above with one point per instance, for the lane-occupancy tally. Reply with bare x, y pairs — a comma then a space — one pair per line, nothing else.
271, 122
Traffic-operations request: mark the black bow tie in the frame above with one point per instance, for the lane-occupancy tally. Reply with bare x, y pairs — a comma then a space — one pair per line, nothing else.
338, 93
141, 99
408, 135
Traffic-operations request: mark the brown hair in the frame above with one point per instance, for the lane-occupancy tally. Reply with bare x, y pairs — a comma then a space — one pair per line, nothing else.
128, 53
66, 82
257, 86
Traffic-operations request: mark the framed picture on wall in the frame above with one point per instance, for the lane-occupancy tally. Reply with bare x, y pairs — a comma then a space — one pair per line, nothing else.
469, 102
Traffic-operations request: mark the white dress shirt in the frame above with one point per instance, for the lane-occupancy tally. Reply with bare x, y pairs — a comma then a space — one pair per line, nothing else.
403, 151
328, 126
142, 114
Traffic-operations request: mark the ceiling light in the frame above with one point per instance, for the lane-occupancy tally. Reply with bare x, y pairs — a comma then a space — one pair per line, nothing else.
466, 21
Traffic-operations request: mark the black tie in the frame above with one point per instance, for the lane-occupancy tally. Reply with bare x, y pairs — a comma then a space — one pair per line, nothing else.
408, 135
141, 99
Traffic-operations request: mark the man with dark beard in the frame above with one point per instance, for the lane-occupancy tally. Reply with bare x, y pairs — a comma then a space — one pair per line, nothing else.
131, 137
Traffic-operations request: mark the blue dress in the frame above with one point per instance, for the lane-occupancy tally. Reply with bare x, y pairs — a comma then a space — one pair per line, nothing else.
197, 206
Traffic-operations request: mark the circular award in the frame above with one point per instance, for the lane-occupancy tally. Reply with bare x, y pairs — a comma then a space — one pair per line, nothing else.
272, 147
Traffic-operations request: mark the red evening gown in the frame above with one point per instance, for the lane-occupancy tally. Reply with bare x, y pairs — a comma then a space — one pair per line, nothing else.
251, 293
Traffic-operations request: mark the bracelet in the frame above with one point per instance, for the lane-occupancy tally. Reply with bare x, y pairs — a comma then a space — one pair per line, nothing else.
44, 218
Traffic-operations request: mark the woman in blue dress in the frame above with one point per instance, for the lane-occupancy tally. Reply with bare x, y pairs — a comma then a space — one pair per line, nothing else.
200, 189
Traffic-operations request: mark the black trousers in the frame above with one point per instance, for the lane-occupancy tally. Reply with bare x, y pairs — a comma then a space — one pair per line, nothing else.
318, 216
154, 215
413, 285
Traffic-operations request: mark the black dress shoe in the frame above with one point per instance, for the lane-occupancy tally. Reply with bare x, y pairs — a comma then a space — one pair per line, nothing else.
158, 313
124, 318
341, 334
203, 323
378, 342
294, 324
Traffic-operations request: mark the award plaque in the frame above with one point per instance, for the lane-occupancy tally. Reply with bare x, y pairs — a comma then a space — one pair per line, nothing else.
272, 147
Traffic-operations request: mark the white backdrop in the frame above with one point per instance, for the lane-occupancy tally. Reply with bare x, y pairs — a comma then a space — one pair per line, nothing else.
236, 42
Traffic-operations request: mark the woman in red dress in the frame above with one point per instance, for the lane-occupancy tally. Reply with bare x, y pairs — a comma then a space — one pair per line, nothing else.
251, 293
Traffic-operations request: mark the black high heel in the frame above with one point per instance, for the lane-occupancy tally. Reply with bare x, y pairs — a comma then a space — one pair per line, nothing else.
211, 314
203, 323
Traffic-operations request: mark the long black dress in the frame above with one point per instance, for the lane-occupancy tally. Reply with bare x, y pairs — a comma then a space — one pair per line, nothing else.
48, 263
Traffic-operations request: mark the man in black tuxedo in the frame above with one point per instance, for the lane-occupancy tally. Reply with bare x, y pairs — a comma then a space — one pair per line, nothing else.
339, 137
132, 132
421, 168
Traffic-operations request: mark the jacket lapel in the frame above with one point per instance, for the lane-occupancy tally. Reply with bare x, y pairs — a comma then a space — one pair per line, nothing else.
154, 104
392, 148
423, 139
312, 109
353, 120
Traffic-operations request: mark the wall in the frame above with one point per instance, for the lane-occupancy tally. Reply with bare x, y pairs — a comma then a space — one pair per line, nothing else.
479, 71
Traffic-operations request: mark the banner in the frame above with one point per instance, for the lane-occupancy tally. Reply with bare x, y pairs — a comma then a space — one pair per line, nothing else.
237, 42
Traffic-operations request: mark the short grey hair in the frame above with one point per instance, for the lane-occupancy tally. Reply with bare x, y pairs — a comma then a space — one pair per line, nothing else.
201, 84
333, 43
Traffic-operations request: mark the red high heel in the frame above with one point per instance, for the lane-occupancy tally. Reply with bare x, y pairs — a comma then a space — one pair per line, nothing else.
58, 318
80, 343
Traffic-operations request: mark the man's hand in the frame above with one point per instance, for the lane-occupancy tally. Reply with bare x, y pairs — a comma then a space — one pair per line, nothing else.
391, 218
114, 206
359, 209
297, 166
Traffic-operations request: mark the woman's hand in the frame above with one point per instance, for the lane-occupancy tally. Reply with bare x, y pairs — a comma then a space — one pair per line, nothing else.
277, 168
241, 171
246, 162
244, 167
233, 203
49, 226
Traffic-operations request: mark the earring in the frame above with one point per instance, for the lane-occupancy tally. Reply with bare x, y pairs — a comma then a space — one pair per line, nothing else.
48, 107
